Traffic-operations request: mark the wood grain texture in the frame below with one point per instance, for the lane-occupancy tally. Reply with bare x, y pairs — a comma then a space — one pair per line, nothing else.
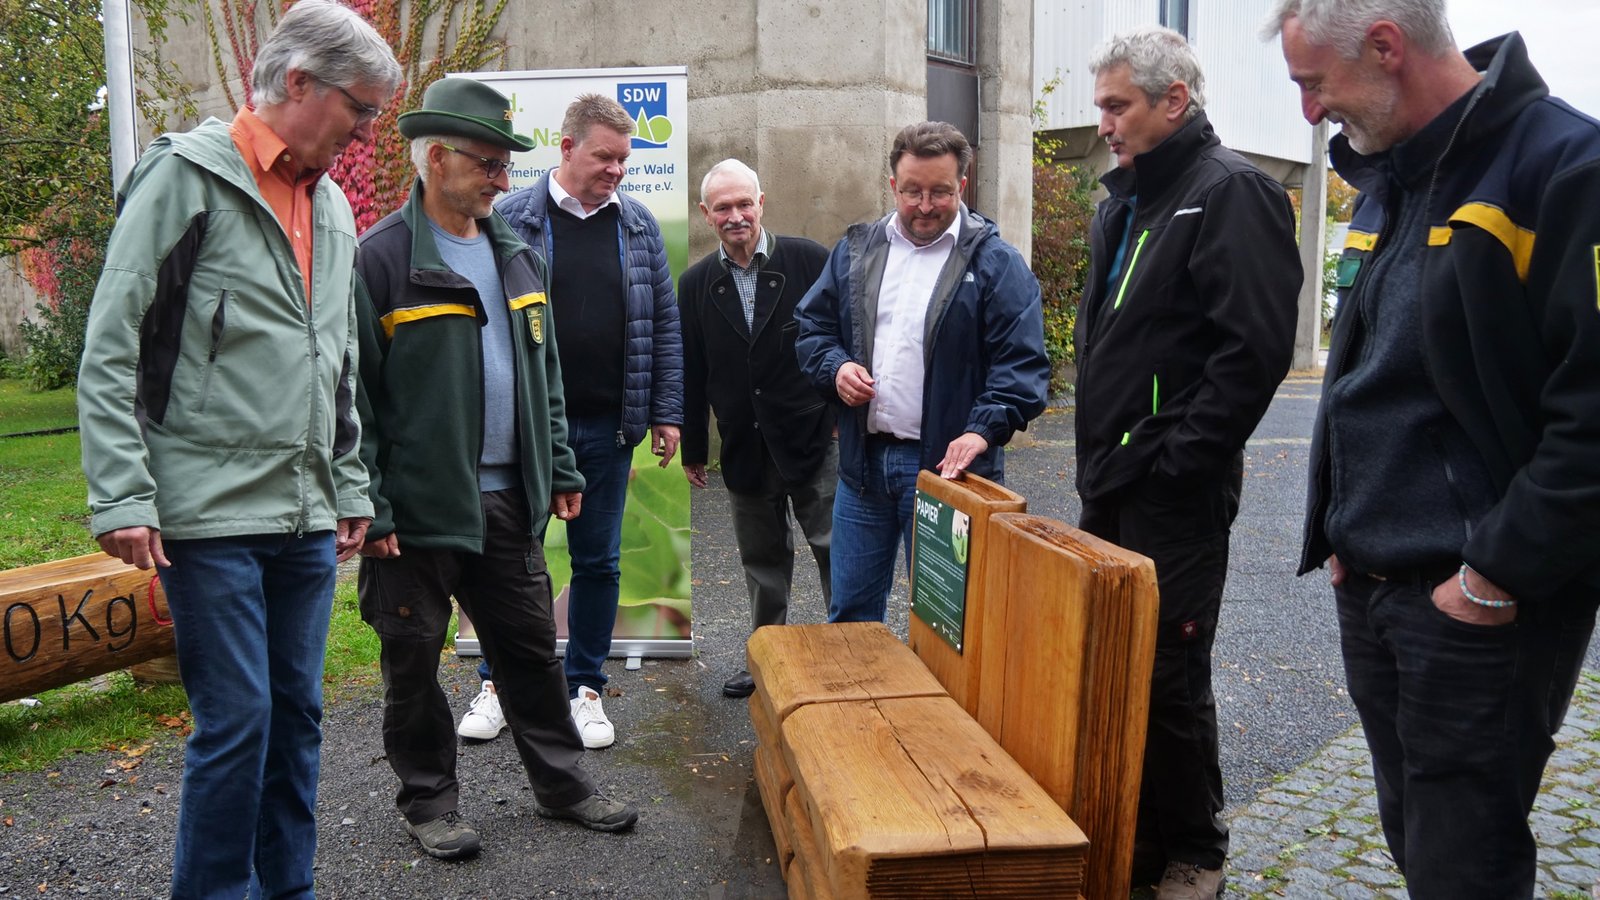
774, 786
804, 876
909, 797
794, 665
1072, 702
72, 619
961, 672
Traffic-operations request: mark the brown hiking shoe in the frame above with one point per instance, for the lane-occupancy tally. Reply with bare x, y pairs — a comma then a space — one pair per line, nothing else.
1187, 881
447, 837
596, 812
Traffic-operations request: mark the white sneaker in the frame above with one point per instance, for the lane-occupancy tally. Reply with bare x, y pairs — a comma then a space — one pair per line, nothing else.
484, 721
590, 717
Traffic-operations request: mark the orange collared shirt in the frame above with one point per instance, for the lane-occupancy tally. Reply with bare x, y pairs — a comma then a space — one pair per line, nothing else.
290, 197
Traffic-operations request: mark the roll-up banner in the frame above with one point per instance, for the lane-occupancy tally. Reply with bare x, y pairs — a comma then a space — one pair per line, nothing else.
653, 615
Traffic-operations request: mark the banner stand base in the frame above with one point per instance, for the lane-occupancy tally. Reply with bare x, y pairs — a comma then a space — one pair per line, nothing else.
621, 648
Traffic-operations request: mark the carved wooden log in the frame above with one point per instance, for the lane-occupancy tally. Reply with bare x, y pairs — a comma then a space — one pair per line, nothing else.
72, 619
962, 671
794, 665
1066, 689
911, 798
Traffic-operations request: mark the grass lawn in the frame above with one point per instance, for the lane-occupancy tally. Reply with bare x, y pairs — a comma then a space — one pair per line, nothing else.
23, 410
44, 516
45, 511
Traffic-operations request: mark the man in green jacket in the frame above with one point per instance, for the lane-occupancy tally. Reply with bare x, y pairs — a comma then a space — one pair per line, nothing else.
465, 434
220, 439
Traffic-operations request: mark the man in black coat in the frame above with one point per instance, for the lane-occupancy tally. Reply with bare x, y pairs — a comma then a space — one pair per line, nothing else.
778, 449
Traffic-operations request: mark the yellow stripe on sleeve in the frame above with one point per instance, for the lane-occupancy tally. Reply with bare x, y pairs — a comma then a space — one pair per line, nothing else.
1360, 240
527, 300
424, 312
1518, 241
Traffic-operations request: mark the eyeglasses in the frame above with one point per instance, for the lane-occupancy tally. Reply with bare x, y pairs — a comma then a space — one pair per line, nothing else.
937, 196
365, 112
491, 167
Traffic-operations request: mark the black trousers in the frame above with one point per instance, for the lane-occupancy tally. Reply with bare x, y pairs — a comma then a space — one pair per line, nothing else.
505, 591
1461, 720
1186, 534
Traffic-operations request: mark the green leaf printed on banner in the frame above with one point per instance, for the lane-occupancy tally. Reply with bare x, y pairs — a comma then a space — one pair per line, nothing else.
655, 586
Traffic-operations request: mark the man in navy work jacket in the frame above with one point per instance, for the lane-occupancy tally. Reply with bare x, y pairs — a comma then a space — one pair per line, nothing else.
927, 326
1455, 483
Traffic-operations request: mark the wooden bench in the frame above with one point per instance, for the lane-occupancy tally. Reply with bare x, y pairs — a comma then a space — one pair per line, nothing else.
877, 784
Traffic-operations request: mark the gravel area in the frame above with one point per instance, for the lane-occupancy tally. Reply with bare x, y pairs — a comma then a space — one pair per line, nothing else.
100, 824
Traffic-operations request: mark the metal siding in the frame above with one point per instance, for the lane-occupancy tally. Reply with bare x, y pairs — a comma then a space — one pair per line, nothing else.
1249, 97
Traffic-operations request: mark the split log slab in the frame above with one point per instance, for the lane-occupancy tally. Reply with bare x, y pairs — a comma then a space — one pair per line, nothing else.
803, 876
772, 778
1074, 653
910, 798
794, 665
72, 619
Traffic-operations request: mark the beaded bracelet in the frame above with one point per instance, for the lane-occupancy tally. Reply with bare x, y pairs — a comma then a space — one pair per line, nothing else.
1495, 604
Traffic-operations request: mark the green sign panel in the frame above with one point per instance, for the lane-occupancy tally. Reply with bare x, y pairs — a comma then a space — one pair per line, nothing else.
942, 538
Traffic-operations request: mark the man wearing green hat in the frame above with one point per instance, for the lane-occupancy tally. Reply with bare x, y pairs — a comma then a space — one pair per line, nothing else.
465, 436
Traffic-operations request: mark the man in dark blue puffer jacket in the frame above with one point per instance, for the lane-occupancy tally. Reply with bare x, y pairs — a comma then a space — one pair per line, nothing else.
622, 359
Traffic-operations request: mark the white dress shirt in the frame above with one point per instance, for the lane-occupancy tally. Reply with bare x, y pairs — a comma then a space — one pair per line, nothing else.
571, 204
897, 367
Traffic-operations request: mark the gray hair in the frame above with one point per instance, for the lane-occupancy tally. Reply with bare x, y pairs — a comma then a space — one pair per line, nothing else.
1155, 57
419, 153
329, 42
731, 167
1343, 24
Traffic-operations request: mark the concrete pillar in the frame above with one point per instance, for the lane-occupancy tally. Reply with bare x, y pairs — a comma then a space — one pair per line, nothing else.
831, 90
17, 300
1003, 177
1313, 245
120, 106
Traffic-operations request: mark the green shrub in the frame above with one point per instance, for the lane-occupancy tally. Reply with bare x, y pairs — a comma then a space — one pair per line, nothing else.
1063, 207
54, 337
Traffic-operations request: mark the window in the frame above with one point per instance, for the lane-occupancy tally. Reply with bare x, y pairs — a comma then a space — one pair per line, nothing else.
950, 31
1174, 15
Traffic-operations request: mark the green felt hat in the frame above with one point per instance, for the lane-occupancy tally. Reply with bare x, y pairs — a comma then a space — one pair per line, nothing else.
464, 107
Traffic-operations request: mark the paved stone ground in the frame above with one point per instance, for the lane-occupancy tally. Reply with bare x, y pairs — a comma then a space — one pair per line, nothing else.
1315, 833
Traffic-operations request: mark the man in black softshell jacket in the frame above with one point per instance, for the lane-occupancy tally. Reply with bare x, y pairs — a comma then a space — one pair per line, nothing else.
1184, 333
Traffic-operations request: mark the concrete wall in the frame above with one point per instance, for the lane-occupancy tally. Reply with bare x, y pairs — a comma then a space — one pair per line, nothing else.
17, 300
808, 92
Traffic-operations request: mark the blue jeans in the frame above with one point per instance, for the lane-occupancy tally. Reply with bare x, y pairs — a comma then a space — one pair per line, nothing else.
594, 540
250, 617
1460, 719
867, 526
